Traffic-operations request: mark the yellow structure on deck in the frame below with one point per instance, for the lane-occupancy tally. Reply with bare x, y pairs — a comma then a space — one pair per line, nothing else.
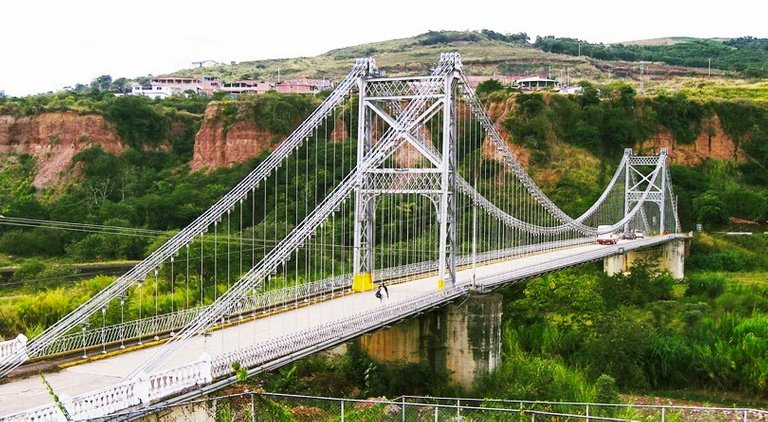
362, 282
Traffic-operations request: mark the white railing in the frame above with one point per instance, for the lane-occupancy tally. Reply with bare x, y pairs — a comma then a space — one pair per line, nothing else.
118, 397
323, 336
251, 406
14, 349
156, 387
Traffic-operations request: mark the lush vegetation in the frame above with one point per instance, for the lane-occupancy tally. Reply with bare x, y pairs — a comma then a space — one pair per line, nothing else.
746, 54
606, 121
579, 335
574, 335
646, 331
146, 186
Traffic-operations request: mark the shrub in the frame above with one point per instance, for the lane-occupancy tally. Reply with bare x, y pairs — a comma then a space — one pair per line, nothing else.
710, 285
28, 270
607, 392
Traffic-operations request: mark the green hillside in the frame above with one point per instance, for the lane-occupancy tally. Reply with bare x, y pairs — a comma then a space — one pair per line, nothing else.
483, 53
746, 56
487, 52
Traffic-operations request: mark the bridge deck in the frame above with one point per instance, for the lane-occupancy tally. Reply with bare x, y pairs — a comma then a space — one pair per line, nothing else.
29, 392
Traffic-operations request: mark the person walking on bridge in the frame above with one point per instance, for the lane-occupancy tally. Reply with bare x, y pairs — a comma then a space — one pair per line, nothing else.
386, 290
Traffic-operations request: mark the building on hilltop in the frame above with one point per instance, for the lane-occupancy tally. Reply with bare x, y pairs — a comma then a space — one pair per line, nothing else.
303, 86
206, 63
247, 87
210, 85
178, 85
150, 91
536, 82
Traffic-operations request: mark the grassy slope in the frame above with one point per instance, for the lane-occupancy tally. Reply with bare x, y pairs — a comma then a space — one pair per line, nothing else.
408, 56
667, 41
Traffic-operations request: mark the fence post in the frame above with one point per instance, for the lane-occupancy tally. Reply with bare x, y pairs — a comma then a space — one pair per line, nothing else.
342, 410
143, 388
663, 413
21, 340
458, 409
206, 370
745, 415
403, 408
587, 414
253, 409
435, 413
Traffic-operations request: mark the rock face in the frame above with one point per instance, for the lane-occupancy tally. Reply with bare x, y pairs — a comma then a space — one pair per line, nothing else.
498, 111
219, 146
712, 143
53, 138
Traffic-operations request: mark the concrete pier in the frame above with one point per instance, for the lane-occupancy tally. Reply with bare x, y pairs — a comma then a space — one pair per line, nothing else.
462, 340
671, 258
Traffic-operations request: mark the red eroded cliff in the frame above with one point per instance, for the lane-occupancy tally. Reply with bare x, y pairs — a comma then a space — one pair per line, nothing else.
712, 143
53, 138
217, 145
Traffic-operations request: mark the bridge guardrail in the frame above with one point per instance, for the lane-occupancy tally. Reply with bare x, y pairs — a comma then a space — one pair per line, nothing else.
318, 337
148, 389
169, 322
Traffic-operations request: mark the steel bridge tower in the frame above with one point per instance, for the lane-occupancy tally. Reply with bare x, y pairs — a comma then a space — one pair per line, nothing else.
408, 105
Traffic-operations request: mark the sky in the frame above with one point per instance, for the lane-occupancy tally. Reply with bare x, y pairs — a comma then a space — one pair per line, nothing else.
47, 45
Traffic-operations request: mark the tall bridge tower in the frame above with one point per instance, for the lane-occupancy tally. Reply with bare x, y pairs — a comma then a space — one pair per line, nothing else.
407, 106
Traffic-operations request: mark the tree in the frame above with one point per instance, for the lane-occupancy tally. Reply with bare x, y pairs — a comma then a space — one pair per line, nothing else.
489, 86
102, 83
28, 270
119, 83
137, 121
710, 209
616, 346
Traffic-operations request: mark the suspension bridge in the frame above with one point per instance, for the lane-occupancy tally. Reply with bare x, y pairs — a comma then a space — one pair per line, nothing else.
398, 180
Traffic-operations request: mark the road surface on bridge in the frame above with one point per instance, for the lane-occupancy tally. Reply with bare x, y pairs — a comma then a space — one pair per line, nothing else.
26, 393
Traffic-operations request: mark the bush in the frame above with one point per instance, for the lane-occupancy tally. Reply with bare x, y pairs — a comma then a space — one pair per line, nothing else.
138, 121
710, 285
28, 270
616, 347
607, 392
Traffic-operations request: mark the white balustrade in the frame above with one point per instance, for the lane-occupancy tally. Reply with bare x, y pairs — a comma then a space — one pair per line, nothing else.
13, 351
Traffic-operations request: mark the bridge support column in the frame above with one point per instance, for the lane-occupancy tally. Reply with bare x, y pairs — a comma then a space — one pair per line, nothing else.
462, 341
673, 258
615, 264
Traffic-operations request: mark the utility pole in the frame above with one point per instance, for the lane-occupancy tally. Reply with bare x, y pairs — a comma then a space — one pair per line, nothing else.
709, 67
